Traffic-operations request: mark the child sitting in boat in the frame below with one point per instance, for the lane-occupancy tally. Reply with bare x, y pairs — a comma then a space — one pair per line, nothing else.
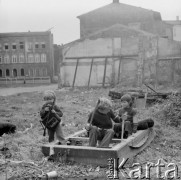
127, 114
100, 126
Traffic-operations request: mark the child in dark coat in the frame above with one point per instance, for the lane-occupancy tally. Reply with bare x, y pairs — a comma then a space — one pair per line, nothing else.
50, 99
127, 112
100, 124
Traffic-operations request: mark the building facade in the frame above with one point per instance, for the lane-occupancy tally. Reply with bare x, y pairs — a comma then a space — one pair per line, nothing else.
119, 13
121, 44
176, 24
26, 55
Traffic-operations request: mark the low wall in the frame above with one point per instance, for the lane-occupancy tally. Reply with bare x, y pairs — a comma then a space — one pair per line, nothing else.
27, 80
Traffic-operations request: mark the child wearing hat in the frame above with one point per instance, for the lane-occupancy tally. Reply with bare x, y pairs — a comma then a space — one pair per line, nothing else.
50, 104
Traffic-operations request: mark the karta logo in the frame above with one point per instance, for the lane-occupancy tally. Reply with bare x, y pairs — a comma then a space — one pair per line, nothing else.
140, 171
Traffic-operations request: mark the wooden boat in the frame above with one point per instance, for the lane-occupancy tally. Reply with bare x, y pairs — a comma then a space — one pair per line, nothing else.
79, 151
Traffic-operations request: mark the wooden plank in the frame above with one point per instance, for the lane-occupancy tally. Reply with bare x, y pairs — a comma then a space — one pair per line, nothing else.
87, 139
78, 133
172, 72
104, 77
127, 151
119, 70
81, 154
90, 72
75, 73
97, 57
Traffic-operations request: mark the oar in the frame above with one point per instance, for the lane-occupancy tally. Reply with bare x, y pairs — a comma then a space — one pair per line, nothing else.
92, 117
122, 132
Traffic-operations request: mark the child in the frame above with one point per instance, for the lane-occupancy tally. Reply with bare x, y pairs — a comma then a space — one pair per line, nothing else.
127, 113
50, 99
100, 125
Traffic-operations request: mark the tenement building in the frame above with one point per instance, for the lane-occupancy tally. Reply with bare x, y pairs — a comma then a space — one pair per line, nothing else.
26, 56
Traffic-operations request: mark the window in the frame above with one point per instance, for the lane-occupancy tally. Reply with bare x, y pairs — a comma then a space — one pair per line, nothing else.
7, 72
14, 59
0, 47
1, 60
21, 45
41, 72
6, 47
22, 72
36, 45
31, 72
6, 59
15, 73
1, 73
37, 72
43, 45
43, 57
44, 71
30, 58
21, 58
30, 46
37, 58
14, 46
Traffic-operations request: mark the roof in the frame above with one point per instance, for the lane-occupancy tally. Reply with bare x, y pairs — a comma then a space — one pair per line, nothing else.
173, 22
119, 9
21, 34
117, 31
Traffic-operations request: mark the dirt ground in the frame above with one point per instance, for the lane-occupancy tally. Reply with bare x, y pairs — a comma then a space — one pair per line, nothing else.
21, 106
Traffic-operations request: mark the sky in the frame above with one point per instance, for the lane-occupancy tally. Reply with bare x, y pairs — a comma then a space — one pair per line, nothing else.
61, 15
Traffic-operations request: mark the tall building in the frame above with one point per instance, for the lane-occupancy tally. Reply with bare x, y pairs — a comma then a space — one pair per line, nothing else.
26, 55
128, 15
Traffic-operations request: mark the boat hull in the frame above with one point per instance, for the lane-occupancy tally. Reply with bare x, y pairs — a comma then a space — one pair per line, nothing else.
84, 154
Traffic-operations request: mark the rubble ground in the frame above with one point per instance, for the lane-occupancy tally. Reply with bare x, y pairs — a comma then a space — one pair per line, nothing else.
24, 160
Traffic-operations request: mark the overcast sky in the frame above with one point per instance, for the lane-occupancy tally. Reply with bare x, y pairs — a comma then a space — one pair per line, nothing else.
61, 15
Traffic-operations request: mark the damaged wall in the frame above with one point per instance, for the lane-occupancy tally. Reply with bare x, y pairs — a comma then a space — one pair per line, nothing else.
168, 48
130, 60
90, 61
115, 62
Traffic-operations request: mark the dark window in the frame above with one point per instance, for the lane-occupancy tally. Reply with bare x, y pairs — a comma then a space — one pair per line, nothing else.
43, 45
15, 73
36, 46
1, 73
22, 72
14, 46
21, 45
7, 72
6, 47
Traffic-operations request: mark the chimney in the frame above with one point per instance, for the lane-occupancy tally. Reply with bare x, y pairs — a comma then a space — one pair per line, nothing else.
115, 1
177, 18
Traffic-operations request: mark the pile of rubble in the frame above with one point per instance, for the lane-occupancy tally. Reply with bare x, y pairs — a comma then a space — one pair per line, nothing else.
172, 110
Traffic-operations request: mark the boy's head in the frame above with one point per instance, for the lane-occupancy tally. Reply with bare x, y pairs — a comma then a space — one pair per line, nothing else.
49, 96
104, 105
126, 101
